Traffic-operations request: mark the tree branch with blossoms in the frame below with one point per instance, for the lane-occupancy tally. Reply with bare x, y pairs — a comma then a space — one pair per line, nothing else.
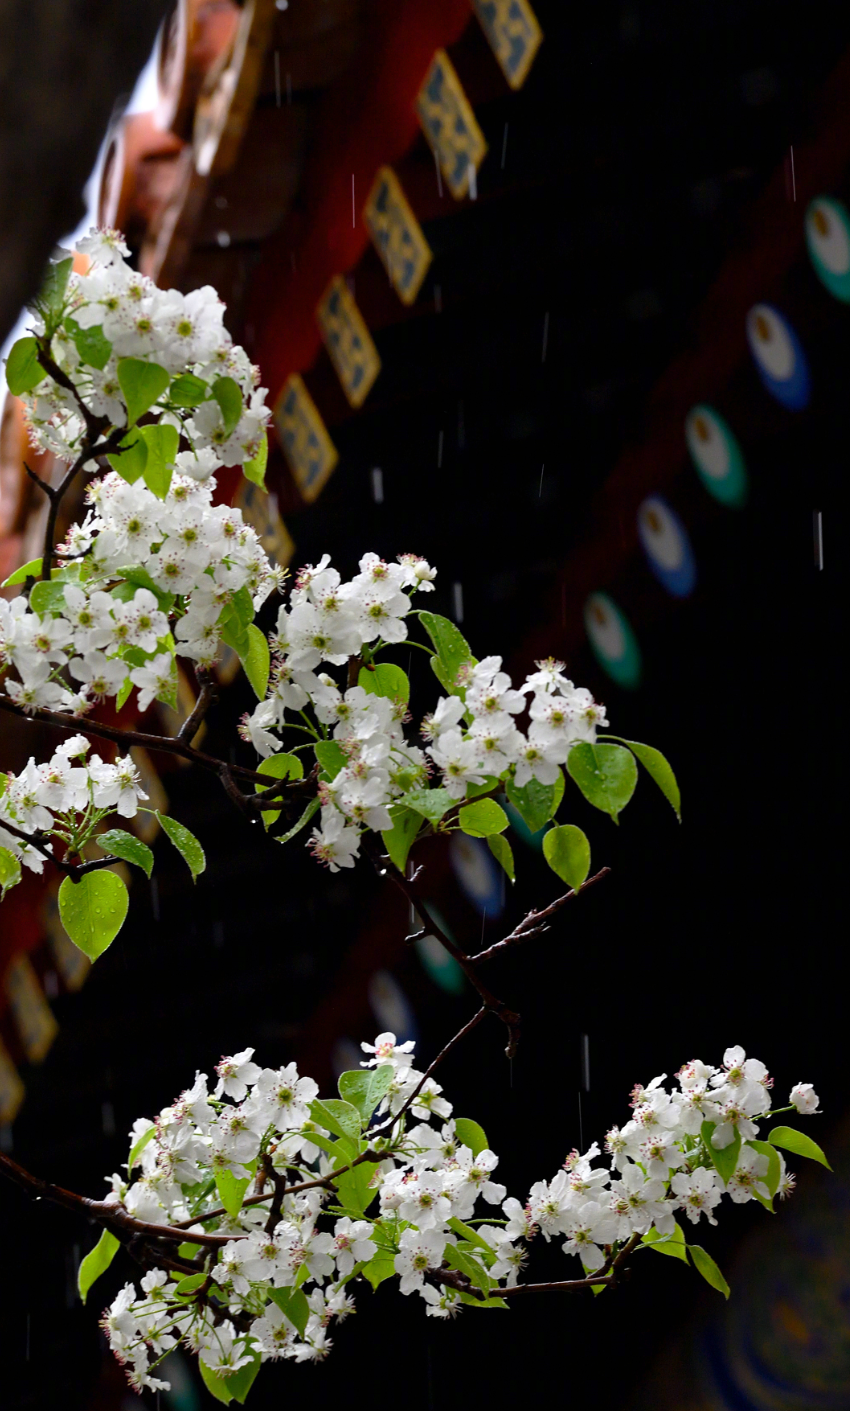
262, 1262
253, 1205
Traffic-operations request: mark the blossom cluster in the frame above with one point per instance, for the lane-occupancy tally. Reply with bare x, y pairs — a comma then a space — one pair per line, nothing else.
113, 633
111, 313
66, 797
307, 1195
473, 734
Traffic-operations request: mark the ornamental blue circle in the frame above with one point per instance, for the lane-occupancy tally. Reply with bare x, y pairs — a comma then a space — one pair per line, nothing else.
667, 547
779, 357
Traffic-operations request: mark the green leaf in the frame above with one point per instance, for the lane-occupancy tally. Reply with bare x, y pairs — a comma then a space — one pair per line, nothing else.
503, 853
709, 1270
233, 633
801, 1145
381, 1266
256, 662
482, 819
240, 1383
255, 469
332, 758
231, 1191
131, 460
92, 344
492, 1302
139, 1146
431, 803
228, 394
123, 693
534, 802
161, 441
236, 1385
187, 390
96, 1262
93, 910
355, 1191
453, 650
186, 844
336, 1116
673, 1245
117, 842
243, 606
47, 597
20, 575
142, 383
658, 769
188, 1251
10, 871
724, 1158
606, 775
188, 1285
341, 1151
774, 1171
567, 852
399, 839
23, 370
385, 679
466, 1232
487, 787
293, 1304
364, 1087
217, 1386
51, 296
471, 1134
558, 787
465, 1264
140, 578
279, 766
311, 808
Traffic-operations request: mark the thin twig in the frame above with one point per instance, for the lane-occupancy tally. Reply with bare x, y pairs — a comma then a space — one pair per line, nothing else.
444, 1053
467, 963
42, 484
535, 922
71, 869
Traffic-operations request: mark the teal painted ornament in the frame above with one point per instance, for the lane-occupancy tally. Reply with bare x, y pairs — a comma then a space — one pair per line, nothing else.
716, 456
828, 239
613, 641
438, 965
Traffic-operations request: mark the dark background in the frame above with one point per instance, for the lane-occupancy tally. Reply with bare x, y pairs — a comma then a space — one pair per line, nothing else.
642, 136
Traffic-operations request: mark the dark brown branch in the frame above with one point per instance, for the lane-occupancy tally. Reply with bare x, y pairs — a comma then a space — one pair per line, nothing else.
89, 453
112, 1217
164, 744
94, 424
320, 1181
535, 922
467, 963
42, 484
208, 694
